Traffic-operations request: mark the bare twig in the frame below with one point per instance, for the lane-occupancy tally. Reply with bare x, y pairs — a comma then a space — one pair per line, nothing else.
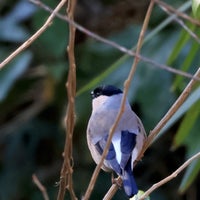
66, 180
181, 99
180, 14
113, 189
28, 42
40, 187
126, 87
179, 21
115, 45
170, 177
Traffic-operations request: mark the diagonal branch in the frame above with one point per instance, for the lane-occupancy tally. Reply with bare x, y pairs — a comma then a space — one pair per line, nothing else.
181, 23
28, 42
40, 186
181, 99
180, 14
115, 45
170, 177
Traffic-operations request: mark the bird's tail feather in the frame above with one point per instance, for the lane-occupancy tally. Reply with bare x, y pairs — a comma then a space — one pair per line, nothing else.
129, 183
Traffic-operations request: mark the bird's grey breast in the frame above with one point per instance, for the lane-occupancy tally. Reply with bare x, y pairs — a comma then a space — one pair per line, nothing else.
100, 123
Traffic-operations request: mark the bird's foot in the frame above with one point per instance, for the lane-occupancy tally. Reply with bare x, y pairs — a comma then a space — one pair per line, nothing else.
117, 181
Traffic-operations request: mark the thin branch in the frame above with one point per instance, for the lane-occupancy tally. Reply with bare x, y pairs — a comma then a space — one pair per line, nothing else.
28, 42
170, 177
181, 99
40, 187
66, 180
181, 23
115, 45
126, 87
111, 192
113, 189
178, 13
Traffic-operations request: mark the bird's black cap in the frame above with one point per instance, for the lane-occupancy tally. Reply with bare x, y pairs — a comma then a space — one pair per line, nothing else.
106, 90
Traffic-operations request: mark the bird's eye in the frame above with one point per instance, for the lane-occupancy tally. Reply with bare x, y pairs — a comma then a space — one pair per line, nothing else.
95, 93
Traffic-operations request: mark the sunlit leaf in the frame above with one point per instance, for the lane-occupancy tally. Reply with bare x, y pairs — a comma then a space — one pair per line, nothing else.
196, 8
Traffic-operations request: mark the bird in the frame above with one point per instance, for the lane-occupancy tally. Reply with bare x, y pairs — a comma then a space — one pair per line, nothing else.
128, 137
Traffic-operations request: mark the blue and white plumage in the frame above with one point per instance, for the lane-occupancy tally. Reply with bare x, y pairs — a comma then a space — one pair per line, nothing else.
127, 140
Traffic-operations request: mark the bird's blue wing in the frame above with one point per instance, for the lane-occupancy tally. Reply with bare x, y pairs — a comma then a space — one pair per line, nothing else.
127, 144
111, 156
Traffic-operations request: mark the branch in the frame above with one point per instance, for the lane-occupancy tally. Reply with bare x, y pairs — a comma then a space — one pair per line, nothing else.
28, 42
170, 177
115, 45
172, 110
181, 23
66, 180
40, 187
113, 189
180, 14
181, 99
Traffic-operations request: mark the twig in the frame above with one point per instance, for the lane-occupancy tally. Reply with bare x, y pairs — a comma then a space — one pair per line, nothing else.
170, 177
40, 187
180, 14
170, 113
115, 45
192, 34
126, 87
113, 189
66, 180
28, 42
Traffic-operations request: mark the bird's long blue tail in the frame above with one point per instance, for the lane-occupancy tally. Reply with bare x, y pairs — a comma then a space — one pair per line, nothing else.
129, 183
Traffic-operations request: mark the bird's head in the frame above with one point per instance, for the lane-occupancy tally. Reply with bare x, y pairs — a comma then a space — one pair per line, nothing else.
103, 93
106, 90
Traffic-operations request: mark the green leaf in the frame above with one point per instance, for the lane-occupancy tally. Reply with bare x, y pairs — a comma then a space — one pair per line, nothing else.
183, 39
11, 29
196, 8
187, 124
102, 76
193, 146
187, 63
191, 100
190, 175
28, 10
57, 33
10, 73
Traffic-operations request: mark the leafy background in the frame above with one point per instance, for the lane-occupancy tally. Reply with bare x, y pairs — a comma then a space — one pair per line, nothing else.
33, 96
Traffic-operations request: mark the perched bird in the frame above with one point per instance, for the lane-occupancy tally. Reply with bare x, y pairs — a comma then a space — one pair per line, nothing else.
127, 140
